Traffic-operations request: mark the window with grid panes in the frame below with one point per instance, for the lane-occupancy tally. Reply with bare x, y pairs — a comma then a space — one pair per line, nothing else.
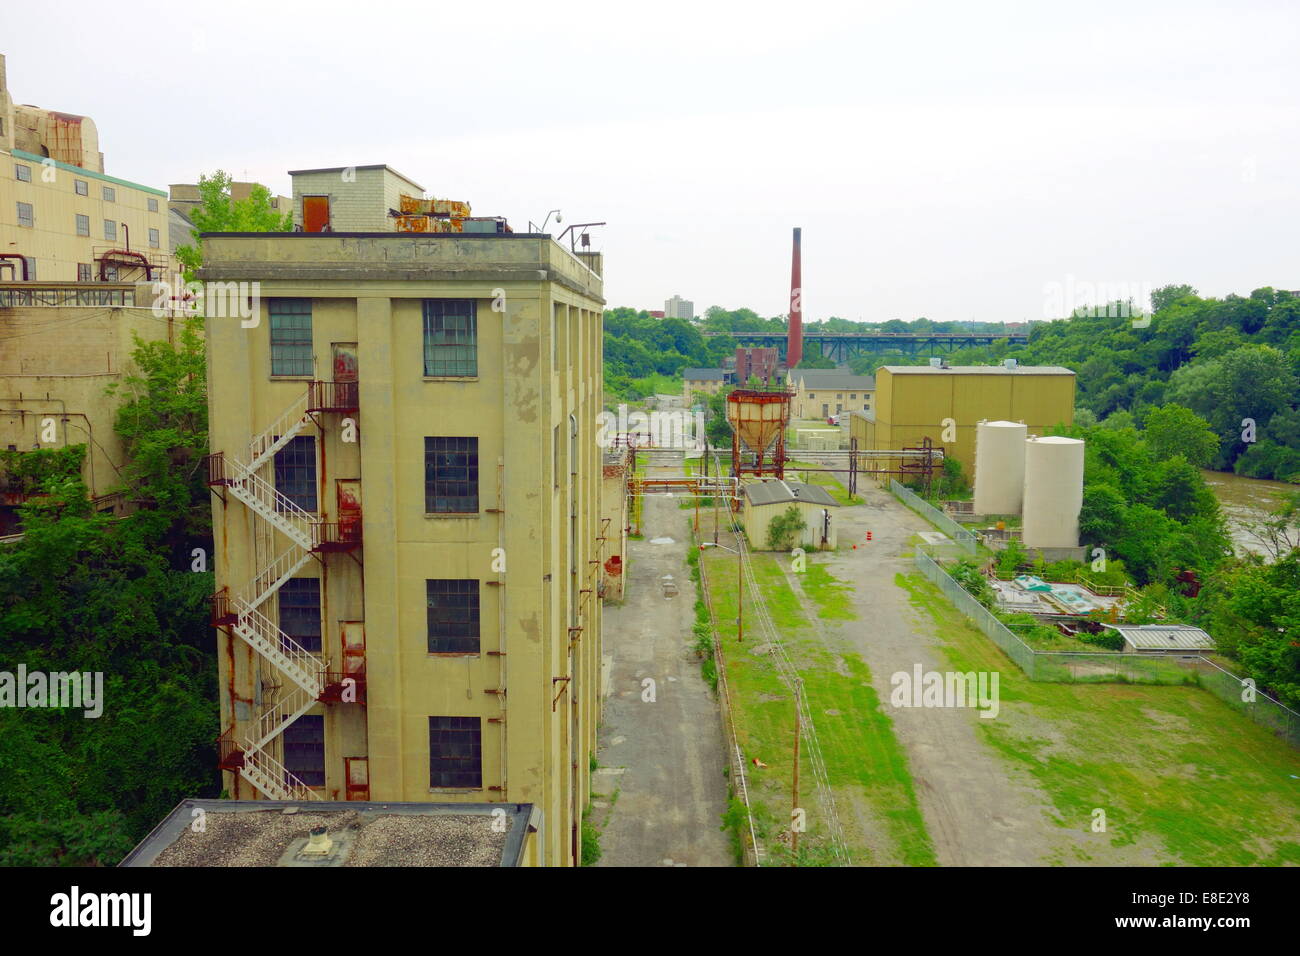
81, 187
295, 472
453, 615
83, 225
455, 753
304, 749
83, 271
450, 337
290, 321
22, 173
451, 475
26, 215
300, 612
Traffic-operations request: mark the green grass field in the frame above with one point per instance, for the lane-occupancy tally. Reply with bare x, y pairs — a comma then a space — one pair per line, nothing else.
1176, 771
866, 766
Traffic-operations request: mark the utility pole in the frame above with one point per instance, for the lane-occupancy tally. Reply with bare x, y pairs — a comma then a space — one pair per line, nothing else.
794, 807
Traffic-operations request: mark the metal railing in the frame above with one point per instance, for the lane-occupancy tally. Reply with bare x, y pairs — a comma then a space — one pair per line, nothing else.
262, 497
333, 397
278, 434
960, 536
28, 295
293, 660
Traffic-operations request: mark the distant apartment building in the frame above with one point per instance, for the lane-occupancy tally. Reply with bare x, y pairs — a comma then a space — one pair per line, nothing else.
946, 403
824, 393
62, 218
679, 308
407, 514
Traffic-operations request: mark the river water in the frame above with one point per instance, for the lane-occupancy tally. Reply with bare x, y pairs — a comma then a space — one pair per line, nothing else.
1244, 500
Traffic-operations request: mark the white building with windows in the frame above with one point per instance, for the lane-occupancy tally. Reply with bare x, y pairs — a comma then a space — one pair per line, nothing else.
679, 308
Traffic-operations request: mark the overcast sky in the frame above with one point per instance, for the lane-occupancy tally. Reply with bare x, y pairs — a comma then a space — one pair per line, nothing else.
954, 160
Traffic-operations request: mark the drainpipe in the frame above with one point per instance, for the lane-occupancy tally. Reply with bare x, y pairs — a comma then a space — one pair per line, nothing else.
501, 619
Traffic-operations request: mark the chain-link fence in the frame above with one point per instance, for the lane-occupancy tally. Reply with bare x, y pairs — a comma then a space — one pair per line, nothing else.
1244, 699
964, 539
1085, 667
995, 630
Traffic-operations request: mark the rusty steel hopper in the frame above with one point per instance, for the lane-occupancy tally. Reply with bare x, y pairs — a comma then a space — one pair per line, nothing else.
758, 420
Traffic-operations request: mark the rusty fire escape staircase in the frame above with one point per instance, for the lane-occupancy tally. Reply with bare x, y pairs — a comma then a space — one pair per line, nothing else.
306, 674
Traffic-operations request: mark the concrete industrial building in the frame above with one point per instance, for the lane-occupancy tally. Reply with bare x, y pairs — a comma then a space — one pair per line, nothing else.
710, 381
349, 198
65, 343
947, 403
61, 218
265, 833
78, 251
185, 197
823, 393
440, 642
763, 364
766, 498
614, 514
679, 308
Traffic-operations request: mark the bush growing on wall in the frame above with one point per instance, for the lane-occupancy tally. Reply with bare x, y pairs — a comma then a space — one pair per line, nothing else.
783, 530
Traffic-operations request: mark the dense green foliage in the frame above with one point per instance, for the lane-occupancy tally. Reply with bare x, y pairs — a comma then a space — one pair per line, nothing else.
87, 592
220, 212
1234, 362
783, 529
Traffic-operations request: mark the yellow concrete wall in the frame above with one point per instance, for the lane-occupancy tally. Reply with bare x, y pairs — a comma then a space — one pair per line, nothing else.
807, 402
912, 406
757, 519
538, 363
691, 386
613, 503
53, 239
56, 363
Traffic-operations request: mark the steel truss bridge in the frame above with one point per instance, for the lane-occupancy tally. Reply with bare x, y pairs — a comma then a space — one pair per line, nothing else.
841, 346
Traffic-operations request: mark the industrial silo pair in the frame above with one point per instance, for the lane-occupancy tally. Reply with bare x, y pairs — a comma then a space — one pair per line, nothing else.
1041, 478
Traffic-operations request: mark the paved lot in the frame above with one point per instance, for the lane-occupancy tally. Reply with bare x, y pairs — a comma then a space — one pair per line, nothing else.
661, 763
975, 814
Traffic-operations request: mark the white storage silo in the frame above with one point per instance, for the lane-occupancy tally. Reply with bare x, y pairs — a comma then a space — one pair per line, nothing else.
1053, 492
999, 467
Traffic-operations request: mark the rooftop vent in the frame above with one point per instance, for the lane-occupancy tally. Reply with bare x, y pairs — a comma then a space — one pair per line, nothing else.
318, 843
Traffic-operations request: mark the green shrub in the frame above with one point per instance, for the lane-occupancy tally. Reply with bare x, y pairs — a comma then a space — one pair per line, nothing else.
784, 529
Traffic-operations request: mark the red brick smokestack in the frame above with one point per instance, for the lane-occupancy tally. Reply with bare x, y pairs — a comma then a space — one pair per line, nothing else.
794, 345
